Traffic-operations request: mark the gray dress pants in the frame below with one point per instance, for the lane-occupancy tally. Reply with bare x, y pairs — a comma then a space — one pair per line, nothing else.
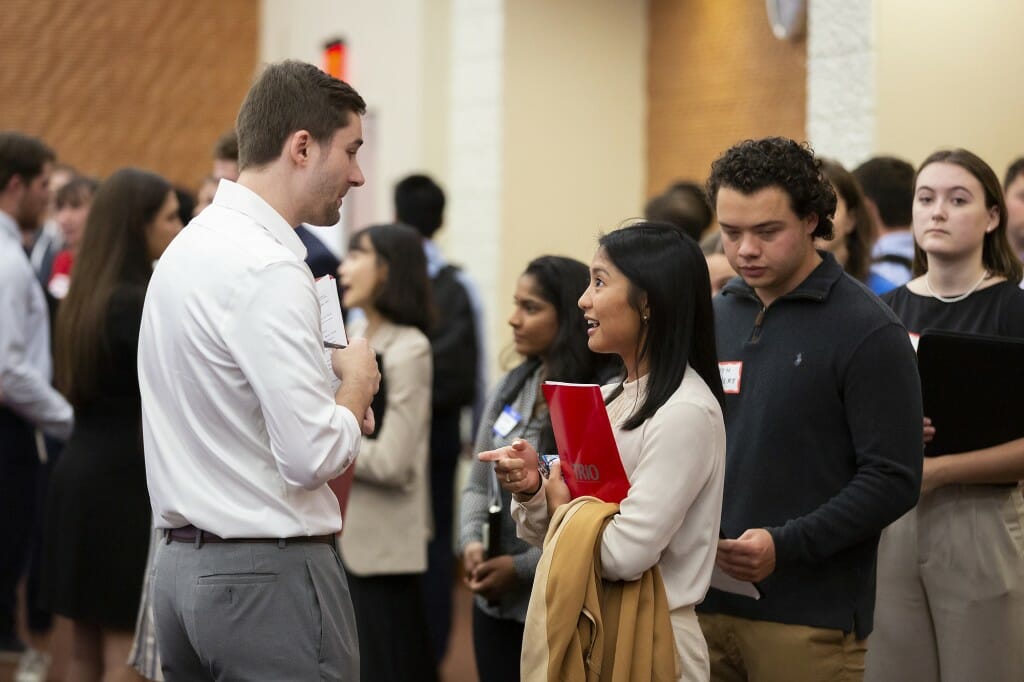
253, 611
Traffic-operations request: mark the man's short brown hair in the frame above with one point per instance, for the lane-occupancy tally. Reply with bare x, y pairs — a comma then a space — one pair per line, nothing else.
22, 155
226, 147
287, 97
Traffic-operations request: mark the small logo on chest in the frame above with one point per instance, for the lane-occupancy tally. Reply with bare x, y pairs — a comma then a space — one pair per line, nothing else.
799, 360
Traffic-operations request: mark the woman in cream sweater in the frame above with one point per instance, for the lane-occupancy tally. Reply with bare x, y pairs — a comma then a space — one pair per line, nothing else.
649, 302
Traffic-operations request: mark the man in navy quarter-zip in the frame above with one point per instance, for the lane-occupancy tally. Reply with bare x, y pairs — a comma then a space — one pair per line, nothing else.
823, 421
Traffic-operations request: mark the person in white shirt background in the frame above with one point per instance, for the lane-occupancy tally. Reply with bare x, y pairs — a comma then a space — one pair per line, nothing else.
242, 429
28, 402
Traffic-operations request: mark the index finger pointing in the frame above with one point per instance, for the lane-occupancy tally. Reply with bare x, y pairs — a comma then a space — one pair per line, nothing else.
492, 455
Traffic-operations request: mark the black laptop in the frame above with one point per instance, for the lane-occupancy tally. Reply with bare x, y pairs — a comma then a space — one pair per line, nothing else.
973, 389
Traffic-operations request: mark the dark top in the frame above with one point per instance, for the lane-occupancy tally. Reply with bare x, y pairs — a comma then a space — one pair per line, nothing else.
98, 511
319, 258
997, 310
823, 443
454, 349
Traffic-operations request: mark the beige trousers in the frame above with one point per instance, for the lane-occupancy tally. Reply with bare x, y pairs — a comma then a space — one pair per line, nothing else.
744, 650
950, 599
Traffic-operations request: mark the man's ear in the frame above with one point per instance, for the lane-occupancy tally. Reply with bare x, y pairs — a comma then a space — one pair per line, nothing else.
298, 147
16, 183
811, 223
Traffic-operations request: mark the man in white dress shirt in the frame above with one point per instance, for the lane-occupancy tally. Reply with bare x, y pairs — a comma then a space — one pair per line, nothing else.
242, 428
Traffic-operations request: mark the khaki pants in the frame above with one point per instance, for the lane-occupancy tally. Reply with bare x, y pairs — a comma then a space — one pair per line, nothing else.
744, 650
950, 599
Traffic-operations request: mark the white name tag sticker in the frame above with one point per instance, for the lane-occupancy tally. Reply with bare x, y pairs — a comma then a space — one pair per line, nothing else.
506, 422
731, 373
914, 340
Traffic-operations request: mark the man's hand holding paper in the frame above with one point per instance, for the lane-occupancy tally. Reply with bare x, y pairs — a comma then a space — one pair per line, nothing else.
750, 557
357, 365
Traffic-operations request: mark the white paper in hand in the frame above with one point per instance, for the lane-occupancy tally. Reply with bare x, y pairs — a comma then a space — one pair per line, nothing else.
720, 580
332, 325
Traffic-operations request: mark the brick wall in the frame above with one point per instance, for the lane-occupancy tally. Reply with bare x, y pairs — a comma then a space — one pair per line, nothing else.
716, 75
109, 83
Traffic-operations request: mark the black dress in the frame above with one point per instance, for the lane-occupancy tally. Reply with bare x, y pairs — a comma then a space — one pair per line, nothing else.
98, 513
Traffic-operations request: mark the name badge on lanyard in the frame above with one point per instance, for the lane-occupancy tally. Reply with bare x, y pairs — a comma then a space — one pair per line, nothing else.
506, 422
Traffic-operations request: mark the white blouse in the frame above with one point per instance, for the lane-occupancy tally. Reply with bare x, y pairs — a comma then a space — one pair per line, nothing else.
675, 462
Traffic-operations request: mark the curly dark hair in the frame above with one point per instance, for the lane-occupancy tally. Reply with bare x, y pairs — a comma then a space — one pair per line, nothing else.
752, 165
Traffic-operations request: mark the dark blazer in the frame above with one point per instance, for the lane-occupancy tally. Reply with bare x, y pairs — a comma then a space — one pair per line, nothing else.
318, 257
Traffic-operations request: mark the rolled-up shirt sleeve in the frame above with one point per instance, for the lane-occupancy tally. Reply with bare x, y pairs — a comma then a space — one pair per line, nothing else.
274, 335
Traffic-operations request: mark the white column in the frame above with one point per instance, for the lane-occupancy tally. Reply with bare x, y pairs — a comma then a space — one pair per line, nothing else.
472, 233
841, 89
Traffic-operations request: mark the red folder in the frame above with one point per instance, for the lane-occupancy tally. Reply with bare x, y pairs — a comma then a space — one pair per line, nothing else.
586, 445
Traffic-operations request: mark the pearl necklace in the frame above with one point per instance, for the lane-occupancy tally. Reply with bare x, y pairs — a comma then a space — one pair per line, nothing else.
954, 299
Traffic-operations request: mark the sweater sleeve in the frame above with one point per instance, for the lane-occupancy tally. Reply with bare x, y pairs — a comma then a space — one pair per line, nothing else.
676, 462
526, 564
882, 398
531, 518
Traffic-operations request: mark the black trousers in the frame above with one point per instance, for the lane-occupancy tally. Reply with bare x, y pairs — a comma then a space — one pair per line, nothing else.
40, 619
498, 644
19, 469
393, 642
445, 447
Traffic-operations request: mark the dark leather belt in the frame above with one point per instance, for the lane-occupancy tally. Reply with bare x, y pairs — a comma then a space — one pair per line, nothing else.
197, 537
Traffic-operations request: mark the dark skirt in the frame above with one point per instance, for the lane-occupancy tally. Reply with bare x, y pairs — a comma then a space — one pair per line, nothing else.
393, 641
97, 528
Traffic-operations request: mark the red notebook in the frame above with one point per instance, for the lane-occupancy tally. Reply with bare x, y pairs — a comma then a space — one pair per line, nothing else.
586, 445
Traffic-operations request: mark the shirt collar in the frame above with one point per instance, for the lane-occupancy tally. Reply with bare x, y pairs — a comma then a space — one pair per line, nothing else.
900, 243
235, 197
9, 226
435, 261
816, 286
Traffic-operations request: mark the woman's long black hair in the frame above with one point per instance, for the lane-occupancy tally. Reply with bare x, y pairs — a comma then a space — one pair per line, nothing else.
405, 296
113, 254
561, 281
659, 260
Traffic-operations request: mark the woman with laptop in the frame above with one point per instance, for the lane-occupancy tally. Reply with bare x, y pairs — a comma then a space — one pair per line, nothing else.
950, 600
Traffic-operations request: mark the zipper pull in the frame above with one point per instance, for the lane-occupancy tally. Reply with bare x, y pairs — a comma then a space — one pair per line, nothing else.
755, 336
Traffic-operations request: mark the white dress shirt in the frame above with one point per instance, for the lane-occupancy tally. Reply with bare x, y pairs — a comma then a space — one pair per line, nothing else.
25, 366
240, 425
